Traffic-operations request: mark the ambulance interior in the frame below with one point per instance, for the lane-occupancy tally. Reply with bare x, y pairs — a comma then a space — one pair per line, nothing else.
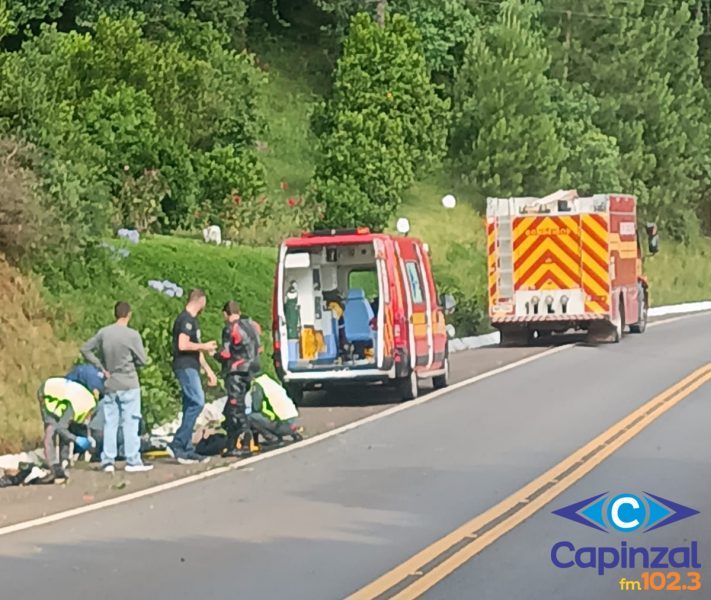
330, 307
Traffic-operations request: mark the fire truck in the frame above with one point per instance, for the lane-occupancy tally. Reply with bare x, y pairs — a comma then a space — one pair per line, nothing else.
565, 262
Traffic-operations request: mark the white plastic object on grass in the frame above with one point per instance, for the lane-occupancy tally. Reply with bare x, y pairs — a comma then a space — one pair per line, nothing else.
212, 235
403, 226
449, 201
129, 234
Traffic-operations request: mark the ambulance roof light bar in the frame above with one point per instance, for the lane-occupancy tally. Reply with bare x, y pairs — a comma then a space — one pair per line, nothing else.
332, 232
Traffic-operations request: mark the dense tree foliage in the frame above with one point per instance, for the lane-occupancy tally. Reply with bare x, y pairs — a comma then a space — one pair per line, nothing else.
504, 137
148, 114
382, 125
640, 61
178, 116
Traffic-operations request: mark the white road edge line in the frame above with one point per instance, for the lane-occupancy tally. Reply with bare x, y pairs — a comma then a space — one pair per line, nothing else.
60, 516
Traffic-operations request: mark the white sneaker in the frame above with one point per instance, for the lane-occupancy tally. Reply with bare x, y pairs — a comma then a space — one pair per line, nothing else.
108, 468
138, 468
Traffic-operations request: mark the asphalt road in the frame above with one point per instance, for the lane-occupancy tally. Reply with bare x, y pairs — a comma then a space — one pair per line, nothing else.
325, 520
321, 412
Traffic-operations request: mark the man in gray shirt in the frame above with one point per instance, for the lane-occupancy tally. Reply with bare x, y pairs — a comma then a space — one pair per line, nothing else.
120, 353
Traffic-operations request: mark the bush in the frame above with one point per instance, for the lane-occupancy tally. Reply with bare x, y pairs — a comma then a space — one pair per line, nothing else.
464, 276
183, 106
139, 200
21, 213
87, 295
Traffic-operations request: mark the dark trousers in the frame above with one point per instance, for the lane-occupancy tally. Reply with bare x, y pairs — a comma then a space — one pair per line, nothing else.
236, 422
268, 428
50, 451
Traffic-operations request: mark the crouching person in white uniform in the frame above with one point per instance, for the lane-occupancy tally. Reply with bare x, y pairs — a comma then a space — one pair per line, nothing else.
273, 414
63, 403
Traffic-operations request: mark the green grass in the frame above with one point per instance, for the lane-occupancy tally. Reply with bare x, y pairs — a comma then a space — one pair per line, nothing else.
244, 274
298, 73
679, 273
456, 239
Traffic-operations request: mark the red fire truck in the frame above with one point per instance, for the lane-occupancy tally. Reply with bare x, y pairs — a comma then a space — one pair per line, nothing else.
564, 262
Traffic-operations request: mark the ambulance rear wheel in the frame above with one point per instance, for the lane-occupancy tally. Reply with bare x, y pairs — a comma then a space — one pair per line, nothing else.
408, 386
442, 381
296, 393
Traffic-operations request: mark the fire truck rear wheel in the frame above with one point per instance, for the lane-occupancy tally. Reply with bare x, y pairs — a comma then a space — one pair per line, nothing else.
619, 324
641, 325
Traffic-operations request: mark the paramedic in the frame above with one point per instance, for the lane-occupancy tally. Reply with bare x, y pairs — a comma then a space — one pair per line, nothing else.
65, 401
239, 355
188, 359
273, 414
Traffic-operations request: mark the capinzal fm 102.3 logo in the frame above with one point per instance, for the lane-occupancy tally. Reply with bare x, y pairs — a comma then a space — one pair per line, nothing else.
625, 513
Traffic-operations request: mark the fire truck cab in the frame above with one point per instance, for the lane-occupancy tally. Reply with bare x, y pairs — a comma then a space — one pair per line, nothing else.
566, 262
351, 306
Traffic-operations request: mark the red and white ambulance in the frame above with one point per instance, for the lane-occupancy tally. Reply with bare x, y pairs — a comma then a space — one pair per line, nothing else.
351, 306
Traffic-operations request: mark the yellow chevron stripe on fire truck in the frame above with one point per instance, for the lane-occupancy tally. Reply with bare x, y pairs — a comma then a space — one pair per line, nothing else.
528, 230
595, 262
554, 247
491, 262
546, 252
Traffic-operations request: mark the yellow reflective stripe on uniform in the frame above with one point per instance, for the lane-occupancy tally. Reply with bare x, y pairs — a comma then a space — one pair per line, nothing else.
59, 393
267, 410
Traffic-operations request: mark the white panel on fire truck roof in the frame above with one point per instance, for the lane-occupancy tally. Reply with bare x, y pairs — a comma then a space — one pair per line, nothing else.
501, 207
559, 196
596, 203
496, 207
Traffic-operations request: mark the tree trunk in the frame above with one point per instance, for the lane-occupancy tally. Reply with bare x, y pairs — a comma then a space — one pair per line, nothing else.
380, 12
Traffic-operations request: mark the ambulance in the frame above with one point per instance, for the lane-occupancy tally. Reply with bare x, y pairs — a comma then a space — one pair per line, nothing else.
355, 307
566, 262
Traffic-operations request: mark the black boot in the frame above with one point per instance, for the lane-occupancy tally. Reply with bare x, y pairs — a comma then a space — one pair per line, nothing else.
246, 445
230, 450
60, 475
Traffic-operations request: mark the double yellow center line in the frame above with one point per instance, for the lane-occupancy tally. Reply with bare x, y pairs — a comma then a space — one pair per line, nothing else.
428, 567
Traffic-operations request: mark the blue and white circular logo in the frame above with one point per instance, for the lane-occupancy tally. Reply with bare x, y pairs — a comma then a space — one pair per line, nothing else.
626, 512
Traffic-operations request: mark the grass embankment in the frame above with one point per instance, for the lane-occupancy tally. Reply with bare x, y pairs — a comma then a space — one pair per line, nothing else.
680, 273
30, 351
